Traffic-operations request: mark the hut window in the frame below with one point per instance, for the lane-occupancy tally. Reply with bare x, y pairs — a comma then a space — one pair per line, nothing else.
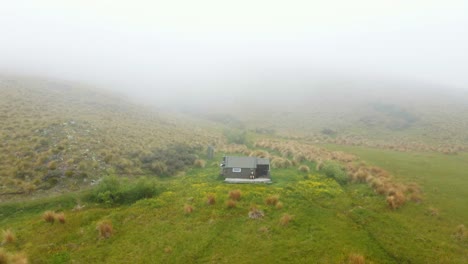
236, 169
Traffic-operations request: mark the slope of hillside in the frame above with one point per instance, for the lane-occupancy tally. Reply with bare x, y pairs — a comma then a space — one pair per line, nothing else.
378, 113
56, 133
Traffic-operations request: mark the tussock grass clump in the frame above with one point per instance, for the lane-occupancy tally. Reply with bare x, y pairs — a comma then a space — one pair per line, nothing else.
260, 154
105, 229
188, 209
8, 237
285, 219
60, 217
356, 259
304, 168
272, 200
281, 163
210, 199
199, 163
231, 204
235, 195
49, 216
395, 199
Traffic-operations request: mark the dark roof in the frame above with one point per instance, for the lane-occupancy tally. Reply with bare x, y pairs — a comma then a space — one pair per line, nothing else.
244, 162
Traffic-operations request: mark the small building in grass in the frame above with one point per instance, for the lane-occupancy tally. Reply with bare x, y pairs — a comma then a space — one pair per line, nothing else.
236, 169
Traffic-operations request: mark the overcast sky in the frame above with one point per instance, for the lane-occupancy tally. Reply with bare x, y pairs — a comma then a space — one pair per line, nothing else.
161, 49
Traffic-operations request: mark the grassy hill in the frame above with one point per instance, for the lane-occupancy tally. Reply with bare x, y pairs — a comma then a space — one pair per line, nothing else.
379, 113
65, 135
100, 179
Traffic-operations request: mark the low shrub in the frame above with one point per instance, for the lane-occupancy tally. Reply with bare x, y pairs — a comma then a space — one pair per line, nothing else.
111, 191
334, 170
235, 195
105, 229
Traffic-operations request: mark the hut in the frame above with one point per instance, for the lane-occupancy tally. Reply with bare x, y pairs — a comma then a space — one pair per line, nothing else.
245, 169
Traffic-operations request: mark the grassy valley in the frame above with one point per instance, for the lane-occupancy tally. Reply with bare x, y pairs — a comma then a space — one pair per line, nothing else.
89, 177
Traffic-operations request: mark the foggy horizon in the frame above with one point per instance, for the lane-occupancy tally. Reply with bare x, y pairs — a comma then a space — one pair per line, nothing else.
166, 52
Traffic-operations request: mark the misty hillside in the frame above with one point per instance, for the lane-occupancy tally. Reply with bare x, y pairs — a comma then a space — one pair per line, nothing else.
64, 135
394, 114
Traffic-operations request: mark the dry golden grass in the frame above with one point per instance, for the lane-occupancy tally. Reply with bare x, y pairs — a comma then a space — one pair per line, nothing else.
105, 229
8, 237
231, 204
210, 199
356, 259
285, 219
188, 209
235, 195
49, 217
199, 163
60, 217
272, 200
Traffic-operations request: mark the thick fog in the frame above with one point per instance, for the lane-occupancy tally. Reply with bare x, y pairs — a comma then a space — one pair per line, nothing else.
191, 51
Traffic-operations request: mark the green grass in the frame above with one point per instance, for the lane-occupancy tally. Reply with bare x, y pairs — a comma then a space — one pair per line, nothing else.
330, 222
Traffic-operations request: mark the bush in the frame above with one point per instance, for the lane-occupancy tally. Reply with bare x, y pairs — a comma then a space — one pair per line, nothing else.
111, 191
168, 161
334, 170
